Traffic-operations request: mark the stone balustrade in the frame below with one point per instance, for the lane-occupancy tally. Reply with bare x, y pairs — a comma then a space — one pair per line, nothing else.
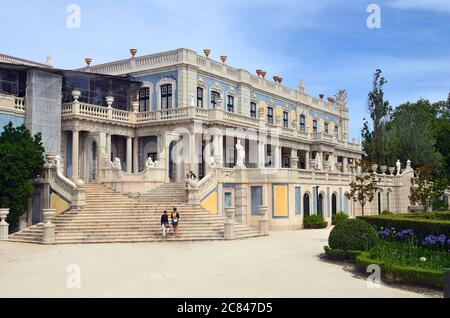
12, 104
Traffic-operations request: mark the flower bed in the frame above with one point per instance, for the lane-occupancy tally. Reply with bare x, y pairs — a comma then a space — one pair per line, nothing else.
422, 224
407, 262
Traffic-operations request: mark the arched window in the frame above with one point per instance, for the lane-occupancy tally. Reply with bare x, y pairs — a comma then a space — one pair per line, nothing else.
144, 99
166, 96
270, 115
200, 97
306, 209
336, 131
315, 126
302, 123
215, 96
334, 203
325, 128
320, 205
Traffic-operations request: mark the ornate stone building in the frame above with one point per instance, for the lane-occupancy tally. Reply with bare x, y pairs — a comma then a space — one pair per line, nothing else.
142, 122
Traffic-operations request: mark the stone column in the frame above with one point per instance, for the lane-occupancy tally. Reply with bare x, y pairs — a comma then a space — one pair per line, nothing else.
218, 149
264, 221
294, 159
48, 236
108, 146
241, 203
3, 225
307, 156
261, 154
192, 153
229, 224
75, 148
129, 154
344, 164
136, 154
277, 156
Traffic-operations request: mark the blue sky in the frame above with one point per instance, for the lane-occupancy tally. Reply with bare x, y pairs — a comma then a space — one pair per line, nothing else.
325, 42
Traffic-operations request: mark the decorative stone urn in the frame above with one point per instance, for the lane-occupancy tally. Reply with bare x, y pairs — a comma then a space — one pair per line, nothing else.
133, 52
88, 61
321, 96
3, 214
263, 74
223, 58
383, 169
3, 225
109, 100
76, 95
280, 79
374, 167
258, 72
207, 52
392, 170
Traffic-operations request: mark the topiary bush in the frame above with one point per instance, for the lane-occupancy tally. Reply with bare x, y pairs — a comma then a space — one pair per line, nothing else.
386, 212
314, 222
339, 217
353, 235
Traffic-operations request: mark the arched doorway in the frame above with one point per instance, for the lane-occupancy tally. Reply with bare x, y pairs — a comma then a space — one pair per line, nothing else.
334, 203
379, 203
172, 164
306, 208
320, 204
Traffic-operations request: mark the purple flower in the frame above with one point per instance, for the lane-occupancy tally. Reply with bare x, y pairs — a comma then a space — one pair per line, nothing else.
442, 238
448, 242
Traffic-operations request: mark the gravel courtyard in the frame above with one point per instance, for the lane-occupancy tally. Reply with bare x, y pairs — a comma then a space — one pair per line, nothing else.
286, 264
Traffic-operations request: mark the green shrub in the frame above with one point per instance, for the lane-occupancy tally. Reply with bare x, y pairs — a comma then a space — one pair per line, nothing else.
314, 222
386, 212
353, 235
402, 272
338, 218
439, 205
422, 224
340, 255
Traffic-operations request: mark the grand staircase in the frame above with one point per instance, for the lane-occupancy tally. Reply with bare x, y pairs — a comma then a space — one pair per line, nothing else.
111, 217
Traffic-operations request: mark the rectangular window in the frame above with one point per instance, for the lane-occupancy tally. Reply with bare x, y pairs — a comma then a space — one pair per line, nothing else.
285, 119
302, 123
200, 97
336, 131
286, 161
325, 128
144, 99
166, 96
253, 110
298, 200
230, 104
228, 200
215, 96
315, 126
256, 193
270, 115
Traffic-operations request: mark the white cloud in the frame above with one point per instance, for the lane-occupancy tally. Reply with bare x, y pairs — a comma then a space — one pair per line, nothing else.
431, 5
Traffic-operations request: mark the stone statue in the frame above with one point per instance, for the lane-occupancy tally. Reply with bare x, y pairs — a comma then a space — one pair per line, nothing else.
318, 162
212, 162
399, 167
301, 86
149, 164
117, 165
240, 154
341, 96
333, 162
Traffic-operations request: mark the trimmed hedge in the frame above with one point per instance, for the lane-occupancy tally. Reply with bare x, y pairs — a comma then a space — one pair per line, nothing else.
423, 223
338, 218
340, 255
314, 222
353, 235
402, 273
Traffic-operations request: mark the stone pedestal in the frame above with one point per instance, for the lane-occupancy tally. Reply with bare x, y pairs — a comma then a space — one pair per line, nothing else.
264, 221
48, 236
241, 204
3, 225
229, 224
23, 222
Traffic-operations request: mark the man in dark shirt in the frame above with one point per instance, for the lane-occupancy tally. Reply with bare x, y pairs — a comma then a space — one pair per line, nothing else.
175, 219
164, 223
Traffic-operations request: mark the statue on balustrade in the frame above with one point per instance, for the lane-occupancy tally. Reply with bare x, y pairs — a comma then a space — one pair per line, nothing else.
240, 155
150, 164
117, 165
399, 167
318, 162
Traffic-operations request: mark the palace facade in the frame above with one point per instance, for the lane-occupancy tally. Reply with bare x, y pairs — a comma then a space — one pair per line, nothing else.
136, 124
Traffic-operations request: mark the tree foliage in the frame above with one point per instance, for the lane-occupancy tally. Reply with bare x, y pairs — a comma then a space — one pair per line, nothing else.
427, 190
21, 162
364, 187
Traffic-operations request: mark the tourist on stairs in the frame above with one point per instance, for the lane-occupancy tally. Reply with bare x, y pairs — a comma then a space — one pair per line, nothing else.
165, 223
175, 218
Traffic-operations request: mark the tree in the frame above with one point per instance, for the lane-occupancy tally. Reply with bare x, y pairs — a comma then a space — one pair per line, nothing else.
364, 187
379, 110
21, 162
427, 190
